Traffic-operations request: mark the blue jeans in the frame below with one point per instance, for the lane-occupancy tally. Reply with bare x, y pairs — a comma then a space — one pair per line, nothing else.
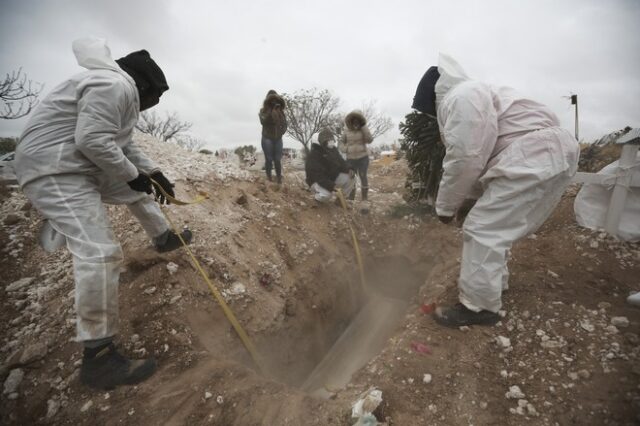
272, 156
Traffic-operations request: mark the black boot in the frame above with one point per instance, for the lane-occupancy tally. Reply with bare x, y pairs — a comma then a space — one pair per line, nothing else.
169, 241
365, 193
459, 315
108, 368
279, 179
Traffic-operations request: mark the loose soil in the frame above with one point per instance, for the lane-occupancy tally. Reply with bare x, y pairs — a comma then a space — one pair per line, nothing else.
286, 267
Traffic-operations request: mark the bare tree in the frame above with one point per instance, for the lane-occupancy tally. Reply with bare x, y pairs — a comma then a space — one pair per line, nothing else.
308, 111
167, 128
377, 122
18, 95
190, 143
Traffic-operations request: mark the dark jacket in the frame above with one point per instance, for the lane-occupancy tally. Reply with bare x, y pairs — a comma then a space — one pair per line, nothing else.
274, 122
323, 166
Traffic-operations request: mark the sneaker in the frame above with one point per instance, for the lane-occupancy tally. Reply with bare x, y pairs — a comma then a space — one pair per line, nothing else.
108, 369
459, 315
170, 241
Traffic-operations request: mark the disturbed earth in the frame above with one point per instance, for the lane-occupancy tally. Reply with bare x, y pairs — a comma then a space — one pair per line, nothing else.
566, 351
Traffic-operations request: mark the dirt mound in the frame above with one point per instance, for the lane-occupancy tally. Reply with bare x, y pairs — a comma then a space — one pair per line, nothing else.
287, 269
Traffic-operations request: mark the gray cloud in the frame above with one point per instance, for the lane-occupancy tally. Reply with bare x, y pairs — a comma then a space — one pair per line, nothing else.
222, 58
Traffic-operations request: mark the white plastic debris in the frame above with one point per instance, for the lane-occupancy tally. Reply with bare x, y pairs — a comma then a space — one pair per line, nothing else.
172, 268
634, 299
363, 408
427, 378
220, 399
208, 395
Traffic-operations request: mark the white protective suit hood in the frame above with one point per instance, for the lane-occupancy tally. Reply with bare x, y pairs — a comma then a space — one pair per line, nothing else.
451, 74
93, 53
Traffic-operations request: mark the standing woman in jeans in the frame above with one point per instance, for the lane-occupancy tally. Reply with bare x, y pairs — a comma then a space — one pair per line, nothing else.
353, 142
274, 125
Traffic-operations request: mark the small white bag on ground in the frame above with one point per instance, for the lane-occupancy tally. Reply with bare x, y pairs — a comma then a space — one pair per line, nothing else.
592, 203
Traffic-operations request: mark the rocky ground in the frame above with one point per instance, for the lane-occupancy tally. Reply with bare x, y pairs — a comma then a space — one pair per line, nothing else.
566, 351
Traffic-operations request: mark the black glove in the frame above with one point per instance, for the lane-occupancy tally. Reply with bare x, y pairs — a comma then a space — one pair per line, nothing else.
165, 184
141, 184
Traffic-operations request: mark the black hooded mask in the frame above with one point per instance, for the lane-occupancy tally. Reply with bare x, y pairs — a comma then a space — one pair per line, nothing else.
148, 76
425, 98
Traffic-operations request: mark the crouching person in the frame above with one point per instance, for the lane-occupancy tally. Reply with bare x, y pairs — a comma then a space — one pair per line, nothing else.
326, 170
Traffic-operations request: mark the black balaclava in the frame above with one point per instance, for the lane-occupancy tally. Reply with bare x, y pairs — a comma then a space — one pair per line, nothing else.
425, 98
148, 76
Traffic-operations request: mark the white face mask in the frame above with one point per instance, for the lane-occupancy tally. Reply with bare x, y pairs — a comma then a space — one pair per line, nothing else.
331, 144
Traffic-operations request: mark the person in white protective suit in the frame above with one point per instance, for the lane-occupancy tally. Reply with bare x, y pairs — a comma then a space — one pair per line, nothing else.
74, 155
510, 154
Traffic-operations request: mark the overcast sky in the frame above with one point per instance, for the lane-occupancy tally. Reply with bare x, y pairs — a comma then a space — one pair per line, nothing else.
221, 57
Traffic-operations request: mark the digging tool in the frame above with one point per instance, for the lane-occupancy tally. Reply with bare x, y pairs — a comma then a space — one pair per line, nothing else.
214, 290
354, 240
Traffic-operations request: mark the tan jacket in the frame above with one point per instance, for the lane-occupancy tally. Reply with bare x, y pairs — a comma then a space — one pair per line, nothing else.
354, 138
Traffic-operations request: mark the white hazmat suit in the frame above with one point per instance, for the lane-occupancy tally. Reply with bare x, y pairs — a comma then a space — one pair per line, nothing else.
76, 154
510, 150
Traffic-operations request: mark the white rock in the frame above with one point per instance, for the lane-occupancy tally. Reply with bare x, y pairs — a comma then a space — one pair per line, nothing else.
551, 344
53, 405
220, 399
172, 268
572, 375
86, 406
584, 374
33, 353
135, 338
149, 290
552, 274
531, 410
504, 374
502, 313
514, 393
586, 325
611, 329
540, 333
620, 322
208, 395
13, 381
503, 342
427, 378
21, 283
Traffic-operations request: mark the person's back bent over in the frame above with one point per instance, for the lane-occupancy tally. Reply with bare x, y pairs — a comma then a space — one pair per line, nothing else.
510, 149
